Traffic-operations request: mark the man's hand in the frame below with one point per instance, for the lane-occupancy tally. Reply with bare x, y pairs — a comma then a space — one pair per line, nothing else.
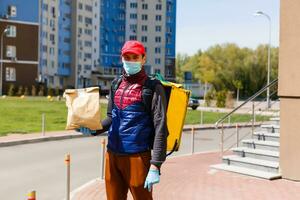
152, 178
86, 131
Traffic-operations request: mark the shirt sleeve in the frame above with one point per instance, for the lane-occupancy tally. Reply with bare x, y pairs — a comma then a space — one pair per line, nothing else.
159, 116
106, 123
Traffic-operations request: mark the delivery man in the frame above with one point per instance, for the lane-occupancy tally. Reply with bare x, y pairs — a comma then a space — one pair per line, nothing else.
135, 126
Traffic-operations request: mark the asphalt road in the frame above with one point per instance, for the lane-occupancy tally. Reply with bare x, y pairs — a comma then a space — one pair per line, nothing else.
41, 166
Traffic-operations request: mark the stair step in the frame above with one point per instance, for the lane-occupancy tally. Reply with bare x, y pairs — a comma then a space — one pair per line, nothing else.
260, 144
257, 153
246, 171
266, 136
273, 127
252, 163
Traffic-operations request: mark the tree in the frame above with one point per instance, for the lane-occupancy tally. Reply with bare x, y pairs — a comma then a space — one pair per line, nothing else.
238, 85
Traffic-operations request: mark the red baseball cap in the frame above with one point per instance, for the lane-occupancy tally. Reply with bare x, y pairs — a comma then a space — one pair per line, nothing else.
133, 46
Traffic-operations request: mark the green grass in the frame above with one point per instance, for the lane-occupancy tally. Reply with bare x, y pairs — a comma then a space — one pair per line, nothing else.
25, 115
194, 117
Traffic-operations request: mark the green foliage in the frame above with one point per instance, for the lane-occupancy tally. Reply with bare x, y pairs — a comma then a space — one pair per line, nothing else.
210, 95
11, 90
26, 91
50, 91
57, 93
41, 91
229, 67
221, 98
33, 90
20, 91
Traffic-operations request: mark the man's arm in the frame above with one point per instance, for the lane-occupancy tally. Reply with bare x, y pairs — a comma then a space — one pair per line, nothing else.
159, 116
108, 120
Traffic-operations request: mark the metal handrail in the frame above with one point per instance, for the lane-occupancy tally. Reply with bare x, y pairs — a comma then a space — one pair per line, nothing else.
248, 100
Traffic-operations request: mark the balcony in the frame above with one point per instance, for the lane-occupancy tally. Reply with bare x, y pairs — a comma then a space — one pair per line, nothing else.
63, 71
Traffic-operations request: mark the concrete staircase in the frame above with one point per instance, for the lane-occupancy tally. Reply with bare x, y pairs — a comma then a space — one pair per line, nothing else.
258, 157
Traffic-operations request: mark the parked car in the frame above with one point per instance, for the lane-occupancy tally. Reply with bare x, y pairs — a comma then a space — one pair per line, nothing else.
193, 103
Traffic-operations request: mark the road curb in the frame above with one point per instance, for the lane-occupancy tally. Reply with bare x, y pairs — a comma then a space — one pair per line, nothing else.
40, 139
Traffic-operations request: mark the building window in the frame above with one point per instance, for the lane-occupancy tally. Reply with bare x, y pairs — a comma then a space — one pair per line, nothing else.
169, 19
12, 31
158, 6
145, 17
51, 51
157, 61
158, 17
10, 74
61, 81
144, 28
158, 39
88, 20
133, 27
79, 18
88, 31
169, 7
88, 55
10, 51
169, 30
87, 43
145, 6
44, 48
158, 28
45, 7
144, 38
157, 49
122, 16
88, 8
133, 5
80, 6
52, 37
51, 80
132, 37
133, 16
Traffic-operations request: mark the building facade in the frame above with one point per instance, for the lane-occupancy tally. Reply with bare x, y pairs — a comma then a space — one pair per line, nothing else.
19, 31
80, 40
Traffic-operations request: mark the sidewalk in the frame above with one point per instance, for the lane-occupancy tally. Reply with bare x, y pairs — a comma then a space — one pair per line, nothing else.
191, 178
17, 139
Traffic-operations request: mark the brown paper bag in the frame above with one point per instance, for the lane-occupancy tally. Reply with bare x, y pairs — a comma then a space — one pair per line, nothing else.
83, 108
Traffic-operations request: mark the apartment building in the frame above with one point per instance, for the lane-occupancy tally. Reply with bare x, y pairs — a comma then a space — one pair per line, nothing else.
19, 35
80, 40
152, 22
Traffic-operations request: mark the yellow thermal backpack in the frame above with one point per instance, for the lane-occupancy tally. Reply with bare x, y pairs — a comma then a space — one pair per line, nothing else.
178, 99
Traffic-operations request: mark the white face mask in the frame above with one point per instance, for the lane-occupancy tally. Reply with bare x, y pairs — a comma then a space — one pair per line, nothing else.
131, 68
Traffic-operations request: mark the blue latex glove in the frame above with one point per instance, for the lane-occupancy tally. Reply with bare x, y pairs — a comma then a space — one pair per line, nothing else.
86, 131
152, 178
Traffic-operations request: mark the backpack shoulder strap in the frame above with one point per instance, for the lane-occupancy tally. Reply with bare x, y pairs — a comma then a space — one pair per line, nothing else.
148, 91
115, 85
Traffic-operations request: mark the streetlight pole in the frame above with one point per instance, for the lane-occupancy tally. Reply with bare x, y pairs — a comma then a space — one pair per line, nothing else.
1, 55
260, 13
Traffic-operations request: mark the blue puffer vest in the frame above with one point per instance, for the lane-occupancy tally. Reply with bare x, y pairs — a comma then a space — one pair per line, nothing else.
132, 126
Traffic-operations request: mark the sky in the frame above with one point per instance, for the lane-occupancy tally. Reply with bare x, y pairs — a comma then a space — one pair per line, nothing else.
204, 23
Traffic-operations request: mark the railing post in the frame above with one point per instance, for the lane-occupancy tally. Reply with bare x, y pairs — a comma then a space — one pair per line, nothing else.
237, 135
192, 140
43, 124
67, 161
253, 119
201, 119
222, 139
102, 158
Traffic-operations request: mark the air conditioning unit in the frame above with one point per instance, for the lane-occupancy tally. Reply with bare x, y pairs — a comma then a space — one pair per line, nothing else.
12, 11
